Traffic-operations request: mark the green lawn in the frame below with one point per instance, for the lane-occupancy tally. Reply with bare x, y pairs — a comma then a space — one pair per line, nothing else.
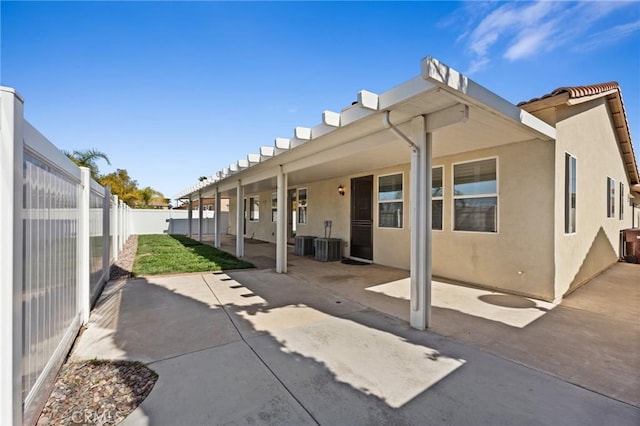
168, 254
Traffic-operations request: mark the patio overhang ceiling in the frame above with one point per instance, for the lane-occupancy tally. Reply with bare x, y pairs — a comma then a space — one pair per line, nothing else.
461, 115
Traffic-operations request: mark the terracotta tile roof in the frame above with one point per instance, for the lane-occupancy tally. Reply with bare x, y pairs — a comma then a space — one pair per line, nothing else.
578, 91
616, 107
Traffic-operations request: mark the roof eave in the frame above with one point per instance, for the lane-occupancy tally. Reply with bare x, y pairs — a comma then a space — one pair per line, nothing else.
470, 91
435, 76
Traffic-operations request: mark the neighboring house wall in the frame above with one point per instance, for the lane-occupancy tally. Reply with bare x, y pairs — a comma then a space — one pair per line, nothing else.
585, 131
154, 221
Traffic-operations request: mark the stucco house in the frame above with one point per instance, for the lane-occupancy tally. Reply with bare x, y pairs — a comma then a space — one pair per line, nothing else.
442, 177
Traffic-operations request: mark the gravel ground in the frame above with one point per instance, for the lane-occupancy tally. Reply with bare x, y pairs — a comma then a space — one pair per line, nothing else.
97, 392
124, 265
100, 392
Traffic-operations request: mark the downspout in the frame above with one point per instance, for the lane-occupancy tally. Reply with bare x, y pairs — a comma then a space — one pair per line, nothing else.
416, 150
393, 129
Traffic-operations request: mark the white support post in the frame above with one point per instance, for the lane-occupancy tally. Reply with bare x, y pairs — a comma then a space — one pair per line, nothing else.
115, 228
11, 259
420, 200
217, 223
281, 223
190, 218
200, 213
106, 225
240, 220
83, 245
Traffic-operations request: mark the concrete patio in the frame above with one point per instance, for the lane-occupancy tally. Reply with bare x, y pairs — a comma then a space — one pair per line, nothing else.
321, 346
592, 338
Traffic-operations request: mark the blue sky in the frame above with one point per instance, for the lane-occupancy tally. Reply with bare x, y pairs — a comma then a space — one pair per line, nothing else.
175, 90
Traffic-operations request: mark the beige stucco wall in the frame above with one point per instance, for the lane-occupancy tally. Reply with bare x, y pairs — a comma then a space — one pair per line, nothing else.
586, 132
635, 221
324, 203
390, 246
519, 258
264, 229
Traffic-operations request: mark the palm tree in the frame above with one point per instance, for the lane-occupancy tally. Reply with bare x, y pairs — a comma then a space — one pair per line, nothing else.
87, 158
146, 195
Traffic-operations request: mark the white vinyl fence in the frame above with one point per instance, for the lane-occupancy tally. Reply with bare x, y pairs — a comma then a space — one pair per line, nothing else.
59, 233
148, 221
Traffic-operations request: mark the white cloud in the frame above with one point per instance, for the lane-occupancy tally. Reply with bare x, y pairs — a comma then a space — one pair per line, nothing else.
530, 42
608, 37
477, 65
519, 30
508, 20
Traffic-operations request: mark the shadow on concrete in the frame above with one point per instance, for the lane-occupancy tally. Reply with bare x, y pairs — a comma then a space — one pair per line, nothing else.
296, 354
252, 346
511, 301
583, 340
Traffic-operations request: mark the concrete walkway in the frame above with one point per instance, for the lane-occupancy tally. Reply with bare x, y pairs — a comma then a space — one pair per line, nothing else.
255, 347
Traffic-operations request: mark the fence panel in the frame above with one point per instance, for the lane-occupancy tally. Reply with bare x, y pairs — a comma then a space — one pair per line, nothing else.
96, 240
58, 228
50, 282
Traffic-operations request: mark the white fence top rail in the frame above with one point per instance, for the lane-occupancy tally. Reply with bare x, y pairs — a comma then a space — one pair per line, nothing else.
39, 146
97, 188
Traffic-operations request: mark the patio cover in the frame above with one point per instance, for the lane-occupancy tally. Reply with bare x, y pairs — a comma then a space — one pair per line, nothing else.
438, 113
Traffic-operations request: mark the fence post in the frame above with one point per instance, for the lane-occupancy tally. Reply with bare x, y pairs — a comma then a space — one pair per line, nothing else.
121, 223
11, 259
114, 240
106, 225
128, 223
83, 245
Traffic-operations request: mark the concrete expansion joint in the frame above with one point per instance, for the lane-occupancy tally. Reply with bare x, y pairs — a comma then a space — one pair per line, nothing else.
262, 361
529, 367
598, 314
195, 352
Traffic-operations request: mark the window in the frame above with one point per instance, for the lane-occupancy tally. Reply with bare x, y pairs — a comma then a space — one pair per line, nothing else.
621, 201
302, 205
274, 207
475, 196
436, 198
390, 201
254, 208
569, 194
611, 197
